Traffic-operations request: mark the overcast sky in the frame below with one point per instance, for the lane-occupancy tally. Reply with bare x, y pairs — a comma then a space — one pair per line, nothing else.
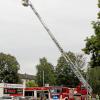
22, 35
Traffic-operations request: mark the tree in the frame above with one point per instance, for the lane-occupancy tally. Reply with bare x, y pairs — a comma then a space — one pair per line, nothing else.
9, 69
94, 79
93, 43
31, 84
65, 75
45, 72
93, 48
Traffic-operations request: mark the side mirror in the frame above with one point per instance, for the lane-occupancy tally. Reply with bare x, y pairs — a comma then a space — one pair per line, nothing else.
25, 2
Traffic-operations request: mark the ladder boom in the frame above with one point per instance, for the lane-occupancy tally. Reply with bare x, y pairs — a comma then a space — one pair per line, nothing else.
67, 58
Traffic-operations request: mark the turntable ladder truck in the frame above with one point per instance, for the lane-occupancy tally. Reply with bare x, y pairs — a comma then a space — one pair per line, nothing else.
73, 66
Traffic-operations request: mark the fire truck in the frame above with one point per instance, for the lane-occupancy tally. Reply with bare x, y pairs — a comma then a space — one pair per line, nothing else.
74, 67
57, 93
48, 93
44, 93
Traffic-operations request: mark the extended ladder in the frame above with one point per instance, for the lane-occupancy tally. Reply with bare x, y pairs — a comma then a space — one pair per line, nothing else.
68, 60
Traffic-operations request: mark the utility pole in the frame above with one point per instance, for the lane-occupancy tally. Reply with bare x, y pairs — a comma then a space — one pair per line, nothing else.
24, 86
43, 78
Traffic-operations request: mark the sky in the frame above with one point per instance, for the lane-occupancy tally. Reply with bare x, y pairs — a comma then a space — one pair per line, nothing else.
22, 35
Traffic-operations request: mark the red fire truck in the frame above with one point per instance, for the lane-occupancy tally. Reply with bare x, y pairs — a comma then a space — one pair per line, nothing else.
51, 93
57, 93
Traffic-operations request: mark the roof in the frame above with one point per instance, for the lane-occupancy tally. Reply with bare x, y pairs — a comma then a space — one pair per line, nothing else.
27, 76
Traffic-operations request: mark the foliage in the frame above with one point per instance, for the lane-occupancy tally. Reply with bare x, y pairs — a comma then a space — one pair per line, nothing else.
99, 3
31, 84
93, 48
48, 70
94, 79
93, 43
64, 74
8, 68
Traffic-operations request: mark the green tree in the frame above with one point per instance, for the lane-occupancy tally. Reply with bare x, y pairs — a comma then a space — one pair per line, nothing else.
31, 84
9, 69
93, 48
94, 79
48, 70
93, 43
64, 74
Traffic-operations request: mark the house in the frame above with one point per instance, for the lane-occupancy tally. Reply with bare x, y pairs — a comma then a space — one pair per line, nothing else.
27, 77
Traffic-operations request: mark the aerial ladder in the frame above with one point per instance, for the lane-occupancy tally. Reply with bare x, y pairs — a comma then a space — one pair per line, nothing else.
73, 66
